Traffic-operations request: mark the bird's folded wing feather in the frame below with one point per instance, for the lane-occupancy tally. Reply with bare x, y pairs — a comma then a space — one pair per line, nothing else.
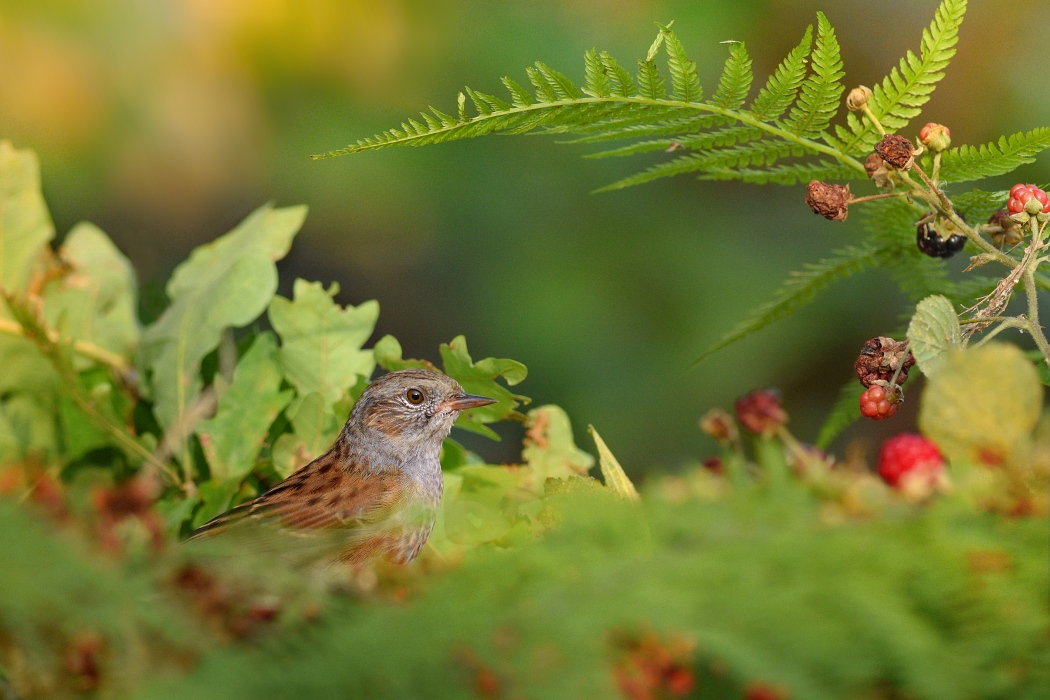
325, 494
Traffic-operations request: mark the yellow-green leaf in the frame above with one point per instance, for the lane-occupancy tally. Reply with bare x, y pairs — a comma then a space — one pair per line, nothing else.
612, 472
550, 452
982, 402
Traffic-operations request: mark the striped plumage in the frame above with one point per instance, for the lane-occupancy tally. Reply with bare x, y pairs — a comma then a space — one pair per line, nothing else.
379, 486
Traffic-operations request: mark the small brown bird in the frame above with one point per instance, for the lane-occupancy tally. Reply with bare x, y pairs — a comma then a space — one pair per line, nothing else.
378, 488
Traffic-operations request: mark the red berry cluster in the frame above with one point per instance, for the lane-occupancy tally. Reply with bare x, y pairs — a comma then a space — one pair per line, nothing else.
652, 668
1020, 195
877, 403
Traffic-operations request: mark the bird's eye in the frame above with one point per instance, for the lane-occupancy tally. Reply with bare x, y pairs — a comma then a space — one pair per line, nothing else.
414, 396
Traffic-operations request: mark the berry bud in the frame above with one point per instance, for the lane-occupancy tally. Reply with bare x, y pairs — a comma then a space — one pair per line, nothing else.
760, 412
830, 201
857, 98
935, 137
879, 359
719, 425
897, 151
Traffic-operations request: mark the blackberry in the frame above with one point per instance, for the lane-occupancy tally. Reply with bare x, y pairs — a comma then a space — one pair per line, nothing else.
931, 243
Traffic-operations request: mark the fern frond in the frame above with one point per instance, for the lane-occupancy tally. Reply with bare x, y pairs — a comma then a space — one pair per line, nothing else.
651, 82
713, 139
621, 83
781, 87
520, 97
684, 78
785, 174
799, 290
970, 163
736, 79
844, 413
819, 98
898, 99
978, 205
596, 81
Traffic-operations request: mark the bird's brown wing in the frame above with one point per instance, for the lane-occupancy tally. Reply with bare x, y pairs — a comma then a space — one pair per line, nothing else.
324, 494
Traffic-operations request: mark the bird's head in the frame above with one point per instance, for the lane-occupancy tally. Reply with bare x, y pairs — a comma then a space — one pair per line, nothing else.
415, 407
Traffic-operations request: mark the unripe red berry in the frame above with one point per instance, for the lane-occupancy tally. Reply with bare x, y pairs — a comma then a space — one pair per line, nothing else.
909, 456
877, 403
760, 412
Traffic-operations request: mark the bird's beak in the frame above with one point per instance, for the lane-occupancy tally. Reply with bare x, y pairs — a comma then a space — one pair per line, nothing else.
461, 402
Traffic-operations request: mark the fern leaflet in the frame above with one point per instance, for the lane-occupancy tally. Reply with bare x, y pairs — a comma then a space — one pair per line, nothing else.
780, 90
819, 98
736, 79
973, 163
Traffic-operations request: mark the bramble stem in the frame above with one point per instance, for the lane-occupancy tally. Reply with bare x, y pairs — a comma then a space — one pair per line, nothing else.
874, 120
873, 197
1032, 292
81, 347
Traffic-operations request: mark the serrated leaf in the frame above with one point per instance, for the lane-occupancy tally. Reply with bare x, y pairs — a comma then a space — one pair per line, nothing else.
898, 98
95, 299
620, 81
933, 332
982, 403
736, 79
550, 451
684, 77
233, 437
1008, 154
224, 284
596, 82
615, 478
781, 87
321, 342
819, 99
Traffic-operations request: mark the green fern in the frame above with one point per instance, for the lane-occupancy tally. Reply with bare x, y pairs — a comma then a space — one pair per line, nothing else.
900, 96
800, 289
974, 163
819, 99
729, 140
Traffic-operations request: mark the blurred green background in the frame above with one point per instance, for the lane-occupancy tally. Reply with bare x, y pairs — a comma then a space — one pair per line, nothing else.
167, 121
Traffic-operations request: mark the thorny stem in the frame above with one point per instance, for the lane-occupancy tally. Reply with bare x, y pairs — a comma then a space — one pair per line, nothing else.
1030, 290
900, 365
936, 169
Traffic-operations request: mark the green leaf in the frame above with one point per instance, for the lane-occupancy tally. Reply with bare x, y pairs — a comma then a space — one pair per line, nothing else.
819, 98
225, 284
25, 225
982, 403
684, 77
615, 478
95, 300
314, 428
800, 289
620, 81
480, 378
781, 87
388, 356
232, 439
550, 451
736, 79
651, 83
321, 343
933, 332
844, 413
475, 378
898, 99
1011, 152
